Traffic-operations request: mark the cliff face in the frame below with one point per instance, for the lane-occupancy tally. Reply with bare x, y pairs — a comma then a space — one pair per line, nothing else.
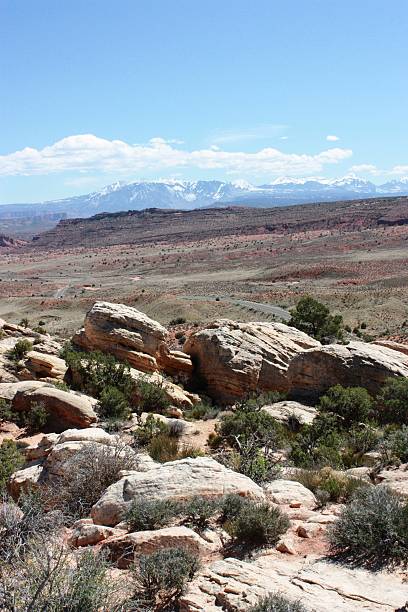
7, 241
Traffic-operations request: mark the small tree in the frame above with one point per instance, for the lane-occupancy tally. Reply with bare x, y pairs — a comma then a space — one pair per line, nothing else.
20, 350
392, 401
314, 318
352, 404
10, 460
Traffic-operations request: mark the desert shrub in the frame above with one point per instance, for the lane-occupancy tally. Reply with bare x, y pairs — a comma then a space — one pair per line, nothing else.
198, 511
34, 419
24, 322
394, 446
177, 321
87, 474
372, 529
151, 428
362, 438
6, 413
60, 384
144, 514
258, 524
164, 447
329, 485
40, 330
93, 372
176, 427
202, 411
151, 397
161, 577
21, 524
51, 581
314, 318
254, 436
230, 506
20, 350
351, 404
392, 401
319, 444
276, 602
10, 460
113, 404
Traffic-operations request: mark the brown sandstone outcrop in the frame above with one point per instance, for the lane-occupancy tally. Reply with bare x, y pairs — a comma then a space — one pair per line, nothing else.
355, 364
42, 365
234, 359
178, 480
65, 409
125, 549
132, 336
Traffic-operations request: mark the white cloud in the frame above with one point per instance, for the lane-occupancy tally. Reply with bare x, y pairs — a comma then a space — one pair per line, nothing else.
365, 169
332, 138
89, 153
257, 132
399, 170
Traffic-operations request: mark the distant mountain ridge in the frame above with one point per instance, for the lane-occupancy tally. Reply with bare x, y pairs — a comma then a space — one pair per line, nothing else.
187, 195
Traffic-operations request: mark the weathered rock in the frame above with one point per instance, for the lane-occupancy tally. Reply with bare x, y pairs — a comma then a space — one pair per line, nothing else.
132, 336
356, 364
88, 534
236, 585
65, 409
396, 479
28, 478
176, 395
234, 359
9, 390
395, 346
91, 434
176, 480
125, 549
287, 491
45, 366
284, 411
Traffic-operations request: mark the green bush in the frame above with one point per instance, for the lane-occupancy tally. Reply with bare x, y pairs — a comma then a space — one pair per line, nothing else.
230, 506
198, 511
201, 411
113, 404
319, 444
6, 413
151, 397
351, 404
314, 318
20, 350
392, 401
372, 530
34, 419
275, 602
150, 429
10, 460
161, 577
164, 448
144, 515
394, 446
258, 524
329, 485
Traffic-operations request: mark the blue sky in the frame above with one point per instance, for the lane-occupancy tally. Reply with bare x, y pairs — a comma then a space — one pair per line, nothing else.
94, 91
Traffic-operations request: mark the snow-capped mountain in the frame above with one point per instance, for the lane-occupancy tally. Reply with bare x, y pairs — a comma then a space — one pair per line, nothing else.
171, 193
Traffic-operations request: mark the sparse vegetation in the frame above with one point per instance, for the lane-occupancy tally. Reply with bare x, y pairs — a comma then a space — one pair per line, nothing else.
258, 524
372, 530
277, 602
20, 350
329, 485
151, 514
11, 460
351, 404
392, 401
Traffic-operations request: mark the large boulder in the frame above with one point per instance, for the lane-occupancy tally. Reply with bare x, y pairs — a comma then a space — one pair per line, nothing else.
286, 410
8, 390
65, 409
289, 491
356, 364
41, 365
231, 584
233, 359
177, 480
125, 549
131, 336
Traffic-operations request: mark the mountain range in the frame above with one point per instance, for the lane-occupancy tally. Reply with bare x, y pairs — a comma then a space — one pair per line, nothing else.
187, 195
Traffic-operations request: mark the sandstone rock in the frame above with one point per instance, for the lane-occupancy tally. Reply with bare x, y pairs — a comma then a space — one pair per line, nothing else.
287, 491
65, 409
283, 411
395, 346
236, 585
25, 479
9, 390
45, 366
396, 479
125, 549
131, 336
88, 534
236, 358
90, 434
177, 480
356, 364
